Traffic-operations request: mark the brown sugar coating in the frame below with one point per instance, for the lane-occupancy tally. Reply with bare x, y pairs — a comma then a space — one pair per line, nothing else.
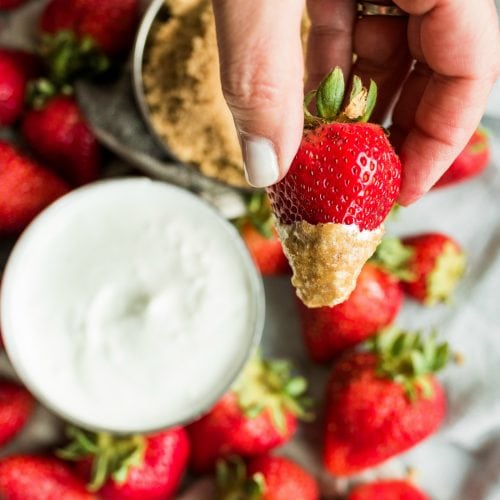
326, 259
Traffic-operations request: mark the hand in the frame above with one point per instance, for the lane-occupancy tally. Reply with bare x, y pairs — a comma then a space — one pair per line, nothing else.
455, 43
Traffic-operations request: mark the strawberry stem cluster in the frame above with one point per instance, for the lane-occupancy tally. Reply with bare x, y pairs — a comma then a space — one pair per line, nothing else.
270, 385
393, 256
234, 484
111, 456
68, 57
330, 96
408, 359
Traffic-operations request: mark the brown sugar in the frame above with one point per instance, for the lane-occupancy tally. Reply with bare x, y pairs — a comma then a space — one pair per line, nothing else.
183, 90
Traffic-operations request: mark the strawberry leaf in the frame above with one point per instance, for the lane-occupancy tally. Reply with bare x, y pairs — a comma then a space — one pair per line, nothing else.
330, 94
394, 257
111, 456
408, 359
270, 385
371, 100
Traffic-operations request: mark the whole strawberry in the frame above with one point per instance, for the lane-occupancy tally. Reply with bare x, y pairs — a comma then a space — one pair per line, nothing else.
259, 413
382, 402
265, 478
11, 4
16, 407
392, 489
27, 477
17, 67
470, 162
340, 187
110, 25
26, 189
257, 230
435, 267
60, 136
130, 468
373, 305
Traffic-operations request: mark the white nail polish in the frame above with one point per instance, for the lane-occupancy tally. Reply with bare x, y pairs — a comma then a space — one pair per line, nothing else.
260, 161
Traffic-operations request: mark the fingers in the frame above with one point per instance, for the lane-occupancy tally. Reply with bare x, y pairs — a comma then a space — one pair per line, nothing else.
448, 113
383, 55
452, 96
330, 38
262, 79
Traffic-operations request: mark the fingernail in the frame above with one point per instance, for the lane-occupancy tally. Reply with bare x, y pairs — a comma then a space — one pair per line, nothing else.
260, 161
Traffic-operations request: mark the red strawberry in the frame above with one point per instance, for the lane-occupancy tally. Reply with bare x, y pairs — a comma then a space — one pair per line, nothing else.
387, 490
58, 133
16, 68
470, 162
383, 402
10, 4
130, 468
25, 189
24, 477
266, 252
110, 24
259, 413
266, 478
258, 232
16, 407
373, 305
435, 267
340, 188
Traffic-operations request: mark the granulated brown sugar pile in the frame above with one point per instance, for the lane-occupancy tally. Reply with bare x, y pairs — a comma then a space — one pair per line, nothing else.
182, 86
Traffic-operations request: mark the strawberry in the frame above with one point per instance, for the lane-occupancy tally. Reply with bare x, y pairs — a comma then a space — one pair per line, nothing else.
338, 191
266, 478
382, 402
16, 407
110, 24
130, 468
373, 305
435, 267
470, 162
27, 477
266, 251
17, 67
59, 134
259, 413
10, 4
392, 489
257, 230
26, 189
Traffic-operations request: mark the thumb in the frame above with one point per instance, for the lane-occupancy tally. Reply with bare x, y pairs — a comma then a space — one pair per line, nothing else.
262, 80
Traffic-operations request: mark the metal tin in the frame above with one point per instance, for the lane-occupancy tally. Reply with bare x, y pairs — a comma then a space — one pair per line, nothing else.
9, 329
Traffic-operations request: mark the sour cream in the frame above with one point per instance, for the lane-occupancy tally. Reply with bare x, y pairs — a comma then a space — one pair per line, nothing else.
130, 306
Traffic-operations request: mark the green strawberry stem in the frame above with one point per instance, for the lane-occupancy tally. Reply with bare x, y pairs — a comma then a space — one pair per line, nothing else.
394, 257
270, 385
331, 94
68, 57
408, 359
111, 456
258, 214
233, 483
41, 90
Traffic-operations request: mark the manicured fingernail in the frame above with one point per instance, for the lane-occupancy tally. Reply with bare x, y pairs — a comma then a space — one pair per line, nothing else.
260, 161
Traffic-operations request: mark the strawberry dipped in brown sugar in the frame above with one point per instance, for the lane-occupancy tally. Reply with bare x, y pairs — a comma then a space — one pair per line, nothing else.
342, 183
